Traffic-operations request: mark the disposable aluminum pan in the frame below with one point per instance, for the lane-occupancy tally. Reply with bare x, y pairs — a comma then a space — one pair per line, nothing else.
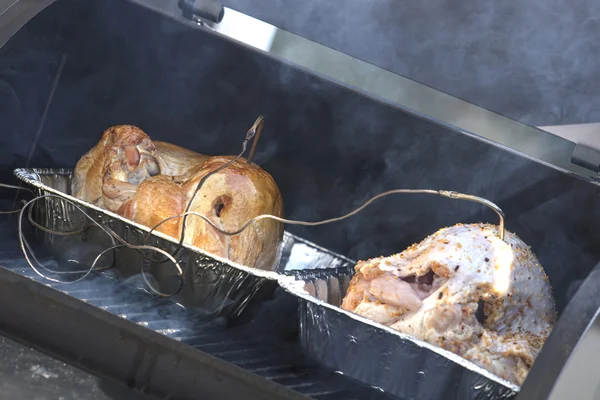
211, 284
377, 355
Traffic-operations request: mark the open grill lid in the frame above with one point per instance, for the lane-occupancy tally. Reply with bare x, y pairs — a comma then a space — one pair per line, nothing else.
554, 149
545, 195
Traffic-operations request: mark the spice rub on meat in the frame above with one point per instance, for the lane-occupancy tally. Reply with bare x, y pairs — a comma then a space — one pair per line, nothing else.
464, 290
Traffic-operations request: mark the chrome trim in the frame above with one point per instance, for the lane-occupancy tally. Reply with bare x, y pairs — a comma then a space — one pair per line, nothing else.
568, 365
577, 133
581, 374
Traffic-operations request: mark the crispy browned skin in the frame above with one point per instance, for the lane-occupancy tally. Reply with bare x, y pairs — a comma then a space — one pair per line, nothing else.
121, 173
229, 198
175, 160
109, 173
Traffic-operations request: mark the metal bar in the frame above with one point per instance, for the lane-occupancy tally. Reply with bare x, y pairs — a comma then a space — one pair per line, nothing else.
565, 366
577, 133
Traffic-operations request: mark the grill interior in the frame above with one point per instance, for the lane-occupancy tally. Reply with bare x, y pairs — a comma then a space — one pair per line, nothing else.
263, 341
80, 67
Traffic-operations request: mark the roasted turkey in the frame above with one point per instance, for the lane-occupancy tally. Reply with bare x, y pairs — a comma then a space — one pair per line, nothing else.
109, 173
229, 198
464, 290
148, 182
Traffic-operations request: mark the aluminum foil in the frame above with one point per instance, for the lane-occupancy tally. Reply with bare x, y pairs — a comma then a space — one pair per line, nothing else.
213, 284
377, 355
364, 350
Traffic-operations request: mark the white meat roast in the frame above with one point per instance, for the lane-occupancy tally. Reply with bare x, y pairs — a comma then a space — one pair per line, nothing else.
464, 290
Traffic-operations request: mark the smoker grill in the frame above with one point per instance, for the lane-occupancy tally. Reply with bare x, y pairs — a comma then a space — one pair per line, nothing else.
74, 68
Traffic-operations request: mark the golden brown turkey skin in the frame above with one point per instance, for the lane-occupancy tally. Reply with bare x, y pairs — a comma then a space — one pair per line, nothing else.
465, 290
160, 182
229, 198
174, 160
109, 173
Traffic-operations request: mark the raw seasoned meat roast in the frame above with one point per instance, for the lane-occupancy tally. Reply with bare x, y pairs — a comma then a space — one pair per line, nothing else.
464, 290
148, 182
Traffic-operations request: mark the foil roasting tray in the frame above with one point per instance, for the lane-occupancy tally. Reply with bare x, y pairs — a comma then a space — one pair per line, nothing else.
211, 284
377, 355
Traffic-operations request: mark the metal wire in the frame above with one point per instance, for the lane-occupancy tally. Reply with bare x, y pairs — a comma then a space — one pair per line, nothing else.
444, 193
28, 251
4, 185
31, 259
252, 132
249, 135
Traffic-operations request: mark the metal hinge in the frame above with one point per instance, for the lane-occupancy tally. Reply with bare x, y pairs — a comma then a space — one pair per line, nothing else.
586, 156
202, 9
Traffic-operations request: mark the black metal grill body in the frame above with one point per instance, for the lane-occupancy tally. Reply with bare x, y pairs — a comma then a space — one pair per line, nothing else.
158, 348
79, 67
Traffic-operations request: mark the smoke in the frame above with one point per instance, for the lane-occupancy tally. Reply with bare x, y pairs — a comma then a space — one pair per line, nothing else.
531, 61
328, 148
